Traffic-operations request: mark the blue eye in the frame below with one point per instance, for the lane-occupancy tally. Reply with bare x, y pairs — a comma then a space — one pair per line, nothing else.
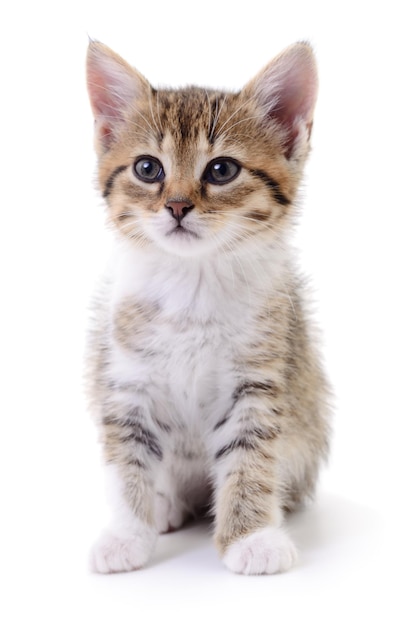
221, 171
149, 169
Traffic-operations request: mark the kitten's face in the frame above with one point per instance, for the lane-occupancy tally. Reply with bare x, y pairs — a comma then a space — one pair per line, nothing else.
192, 171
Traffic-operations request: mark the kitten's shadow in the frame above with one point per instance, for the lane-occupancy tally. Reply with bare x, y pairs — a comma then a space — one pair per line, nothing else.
324, 525
194, 536
331, 524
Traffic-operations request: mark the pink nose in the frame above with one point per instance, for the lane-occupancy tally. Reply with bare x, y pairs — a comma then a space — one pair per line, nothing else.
179, 208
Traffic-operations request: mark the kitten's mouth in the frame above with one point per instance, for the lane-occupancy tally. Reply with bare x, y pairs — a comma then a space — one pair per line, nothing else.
182, 231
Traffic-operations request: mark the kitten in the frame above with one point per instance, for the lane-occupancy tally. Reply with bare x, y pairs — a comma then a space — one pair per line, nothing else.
203, 375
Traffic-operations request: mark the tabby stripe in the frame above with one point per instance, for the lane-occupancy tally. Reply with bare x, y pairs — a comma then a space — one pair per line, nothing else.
136, 463
248, 440
249, 387
213, 106
145, 437
234, 445
163, 426
222, 421
258, 216
131, 417
273, 185
111, 178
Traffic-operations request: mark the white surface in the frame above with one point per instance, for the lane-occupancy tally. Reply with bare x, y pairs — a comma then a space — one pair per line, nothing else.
53, 246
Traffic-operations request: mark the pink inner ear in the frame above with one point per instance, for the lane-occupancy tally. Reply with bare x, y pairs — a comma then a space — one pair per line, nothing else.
289, 89
297, 98
112, 86
108, 90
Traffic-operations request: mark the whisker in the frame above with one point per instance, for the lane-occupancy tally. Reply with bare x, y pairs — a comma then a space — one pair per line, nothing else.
158, 112
243, 119
146, 134
115, 94
128, 104
209, 114
217, 115
236, 111
153, 131
152, 115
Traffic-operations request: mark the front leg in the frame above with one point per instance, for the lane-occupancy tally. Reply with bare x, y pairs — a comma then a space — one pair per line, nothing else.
132, 452
248, 531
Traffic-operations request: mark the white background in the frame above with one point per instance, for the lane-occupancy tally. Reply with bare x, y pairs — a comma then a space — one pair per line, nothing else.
53, 246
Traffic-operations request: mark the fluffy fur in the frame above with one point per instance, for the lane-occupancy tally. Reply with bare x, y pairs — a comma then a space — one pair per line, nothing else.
202, 370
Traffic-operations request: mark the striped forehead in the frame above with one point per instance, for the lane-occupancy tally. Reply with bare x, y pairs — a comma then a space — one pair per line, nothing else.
184, 113
184, 127
188, 157
188, 122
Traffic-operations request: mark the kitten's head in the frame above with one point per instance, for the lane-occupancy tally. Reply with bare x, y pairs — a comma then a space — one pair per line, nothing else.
193, 170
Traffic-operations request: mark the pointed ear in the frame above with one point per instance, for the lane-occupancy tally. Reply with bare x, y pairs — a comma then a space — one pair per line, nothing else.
113, 85
287, 91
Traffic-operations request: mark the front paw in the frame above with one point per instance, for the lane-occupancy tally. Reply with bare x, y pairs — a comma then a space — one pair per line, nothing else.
114, 553
266, 551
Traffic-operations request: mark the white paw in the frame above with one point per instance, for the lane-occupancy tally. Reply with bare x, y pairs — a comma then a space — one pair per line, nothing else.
168, 515
116, 553
266, 551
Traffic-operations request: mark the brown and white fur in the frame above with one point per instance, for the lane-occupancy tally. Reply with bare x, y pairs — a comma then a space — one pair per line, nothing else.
203, 375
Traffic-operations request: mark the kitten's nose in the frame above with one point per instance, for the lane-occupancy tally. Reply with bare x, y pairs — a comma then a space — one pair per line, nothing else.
179, 208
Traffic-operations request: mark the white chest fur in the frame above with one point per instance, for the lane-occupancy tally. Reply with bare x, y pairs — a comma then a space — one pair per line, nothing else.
196, 319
